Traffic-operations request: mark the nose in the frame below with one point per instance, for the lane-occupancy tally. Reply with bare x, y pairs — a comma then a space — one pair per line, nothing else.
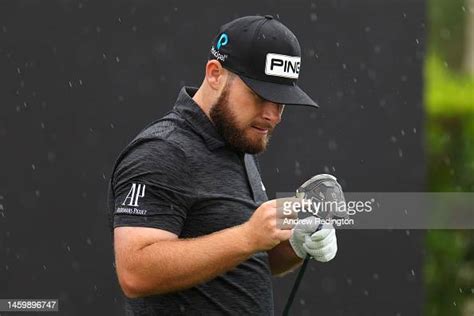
272, 112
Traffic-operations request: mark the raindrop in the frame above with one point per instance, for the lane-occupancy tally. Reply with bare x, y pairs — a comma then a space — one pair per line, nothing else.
402, 132
112, 125
18, 70
297, 168
80, 82
120, 20
332, 145
412, 272
400, 153
33, 166
393, 139
414, 130
313, 16
37, 193
70, 84
417, 41
117, 59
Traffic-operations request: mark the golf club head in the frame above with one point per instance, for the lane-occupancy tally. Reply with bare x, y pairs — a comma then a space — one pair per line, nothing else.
323, 189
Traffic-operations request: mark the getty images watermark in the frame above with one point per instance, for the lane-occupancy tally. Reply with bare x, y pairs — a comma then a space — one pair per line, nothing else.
381, 210
336, 213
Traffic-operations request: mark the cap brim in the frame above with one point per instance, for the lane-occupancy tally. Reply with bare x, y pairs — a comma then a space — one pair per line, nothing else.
279, 93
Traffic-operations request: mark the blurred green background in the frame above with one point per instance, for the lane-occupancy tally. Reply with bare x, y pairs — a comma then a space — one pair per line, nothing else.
449, 104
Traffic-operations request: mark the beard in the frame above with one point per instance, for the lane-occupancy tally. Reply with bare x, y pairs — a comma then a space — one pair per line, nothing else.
234, 133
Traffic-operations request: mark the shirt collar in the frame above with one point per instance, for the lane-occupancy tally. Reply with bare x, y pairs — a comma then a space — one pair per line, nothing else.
197, 119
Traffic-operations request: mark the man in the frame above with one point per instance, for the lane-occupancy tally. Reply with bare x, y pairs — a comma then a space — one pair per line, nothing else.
193, 230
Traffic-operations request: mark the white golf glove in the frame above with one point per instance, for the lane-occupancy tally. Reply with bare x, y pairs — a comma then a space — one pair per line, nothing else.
320, 245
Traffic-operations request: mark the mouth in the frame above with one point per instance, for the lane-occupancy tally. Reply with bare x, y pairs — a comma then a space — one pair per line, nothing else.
261, 130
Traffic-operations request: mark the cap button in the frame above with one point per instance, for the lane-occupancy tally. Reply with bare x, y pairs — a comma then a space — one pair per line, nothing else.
268, 16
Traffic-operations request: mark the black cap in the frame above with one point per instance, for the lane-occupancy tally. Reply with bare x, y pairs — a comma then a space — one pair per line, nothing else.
265, 54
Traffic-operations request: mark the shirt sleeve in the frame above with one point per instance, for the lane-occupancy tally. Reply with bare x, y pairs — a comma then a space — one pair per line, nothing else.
152, 187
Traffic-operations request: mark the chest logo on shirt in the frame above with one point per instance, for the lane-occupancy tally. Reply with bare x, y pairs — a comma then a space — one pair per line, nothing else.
137, 191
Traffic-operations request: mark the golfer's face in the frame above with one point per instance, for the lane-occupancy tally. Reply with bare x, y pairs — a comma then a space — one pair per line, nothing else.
255, 116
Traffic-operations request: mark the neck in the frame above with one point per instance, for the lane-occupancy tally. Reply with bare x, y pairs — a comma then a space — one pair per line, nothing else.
204, 100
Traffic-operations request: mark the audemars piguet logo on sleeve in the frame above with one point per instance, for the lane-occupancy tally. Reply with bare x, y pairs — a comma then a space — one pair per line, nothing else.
136, 191
282, 65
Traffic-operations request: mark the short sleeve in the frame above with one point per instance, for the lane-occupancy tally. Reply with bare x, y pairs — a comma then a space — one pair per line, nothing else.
151, 187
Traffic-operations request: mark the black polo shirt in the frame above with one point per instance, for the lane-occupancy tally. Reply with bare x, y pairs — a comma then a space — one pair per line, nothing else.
179, 175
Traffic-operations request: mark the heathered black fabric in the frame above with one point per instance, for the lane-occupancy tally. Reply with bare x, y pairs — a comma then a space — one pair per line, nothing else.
179, 175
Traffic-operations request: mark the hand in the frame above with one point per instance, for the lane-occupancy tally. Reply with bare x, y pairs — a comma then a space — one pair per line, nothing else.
320, 245
267, 228
304, 228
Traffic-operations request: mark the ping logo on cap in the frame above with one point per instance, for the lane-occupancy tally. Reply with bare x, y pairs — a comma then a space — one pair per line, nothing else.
223, 40
282, 66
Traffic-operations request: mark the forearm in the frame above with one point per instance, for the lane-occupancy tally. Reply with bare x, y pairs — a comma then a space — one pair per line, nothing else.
172, 265
283, 259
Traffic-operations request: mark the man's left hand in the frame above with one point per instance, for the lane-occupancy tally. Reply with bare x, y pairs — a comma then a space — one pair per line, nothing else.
321, 245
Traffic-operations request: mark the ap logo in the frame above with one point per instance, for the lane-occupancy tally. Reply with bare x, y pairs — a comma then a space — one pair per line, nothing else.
136, 191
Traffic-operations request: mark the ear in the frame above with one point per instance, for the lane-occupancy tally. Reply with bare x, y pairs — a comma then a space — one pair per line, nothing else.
216, 75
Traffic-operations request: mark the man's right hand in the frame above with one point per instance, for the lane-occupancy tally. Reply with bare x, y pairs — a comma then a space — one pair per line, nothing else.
266, 228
